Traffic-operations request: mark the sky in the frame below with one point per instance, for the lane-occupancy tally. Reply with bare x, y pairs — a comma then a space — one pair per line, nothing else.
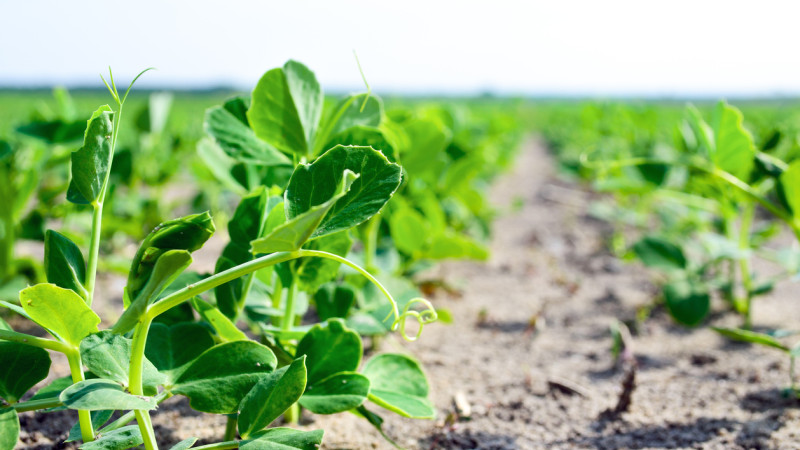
544, 48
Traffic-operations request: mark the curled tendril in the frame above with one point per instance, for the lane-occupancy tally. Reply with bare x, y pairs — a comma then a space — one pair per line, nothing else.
426, 316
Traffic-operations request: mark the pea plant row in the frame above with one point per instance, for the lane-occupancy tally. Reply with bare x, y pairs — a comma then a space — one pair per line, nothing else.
700, 194
317, 259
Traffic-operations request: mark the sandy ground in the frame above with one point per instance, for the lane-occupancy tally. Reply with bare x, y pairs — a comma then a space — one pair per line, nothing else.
529, 351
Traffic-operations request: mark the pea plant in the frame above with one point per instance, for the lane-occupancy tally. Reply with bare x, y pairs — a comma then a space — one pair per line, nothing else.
158, 349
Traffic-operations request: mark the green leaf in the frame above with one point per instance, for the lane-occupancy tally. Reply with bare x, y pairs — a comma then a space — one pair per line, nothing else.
449, 245
63, 263
90, 163
751, 336
236, 138
337, 393
334, 300
99, 394
271, 396
170, 348
22, 367
790, 181
169, 265
119, 439
54, 389
316, 183
99, 418
350, 112
292, 234
364, 137
283, 439
184, 444
219, 164
409, 230
9, 428
734, 150
60, 310
398, 384
313, 272
660, 253
331, 348
218, 380
108, 356
286, 107
226, 330
687, 303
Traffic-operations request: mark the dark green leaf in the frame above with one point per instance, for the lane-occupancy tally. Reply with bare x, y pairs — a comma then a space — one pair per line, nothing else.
331, 348
283, 439
108, 356
659, 253
316, 183
63, 263
53, 390
751, 336
22, 367
90, 163
237, 139
398, 384
9, 428
337, 393
271, 396
219, 379
98, 394
688, 304
334, 300
364, 137
313, 272
59, 310
120, 439
170, 348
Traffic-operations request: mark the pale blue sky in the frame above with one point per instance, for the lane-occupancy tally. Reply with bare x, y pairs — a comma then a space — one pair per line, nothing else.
609, 47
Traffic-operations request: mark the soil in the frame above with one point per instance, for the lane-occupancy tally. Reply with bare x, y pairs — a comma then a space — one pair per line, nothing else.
529, 351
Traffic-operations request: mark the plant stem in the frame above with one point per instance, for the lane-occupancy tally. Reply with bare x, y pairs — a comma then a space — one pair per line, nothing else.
288, 312
94, 250
219, 446
292, 415
146, 428
34, 341
230, 427
7, 244
34, 405
130, 416
84, 417
744, 260
371, 242
135, 380
248, 284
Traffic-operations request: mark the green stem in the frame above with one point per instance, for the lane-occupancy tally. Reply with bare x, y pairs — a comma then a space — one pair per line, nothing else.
135, 381
84, 417
34, 405
744, 261
7, 243
146, 428
288, 312
371, 242
248, 285
292, 415
218, 446
94, 250
47, 344
128, 417
277, 293
230, 427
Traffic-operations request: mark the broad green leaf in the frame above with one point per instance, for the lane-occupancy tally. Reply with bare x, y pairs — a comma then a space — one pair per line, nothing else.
364, 137
63, 263
409, 230
170, 348
220, 164
688, 304
53, 390
184, 444
119, 439
331, 348
790, 181
108, 356
660, 253
449, 245
186, 233
22, 367
9, 428
337, 393
169, 265
218, 380
424, 155
313, 272
271, 396
99, 394
90, 163
292, 234
316, 183
226, 330
334, 300
249, 218
60, 310
751, 336
398, 384
236, 138
283, 439
99, 418
734, 150
286, 107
